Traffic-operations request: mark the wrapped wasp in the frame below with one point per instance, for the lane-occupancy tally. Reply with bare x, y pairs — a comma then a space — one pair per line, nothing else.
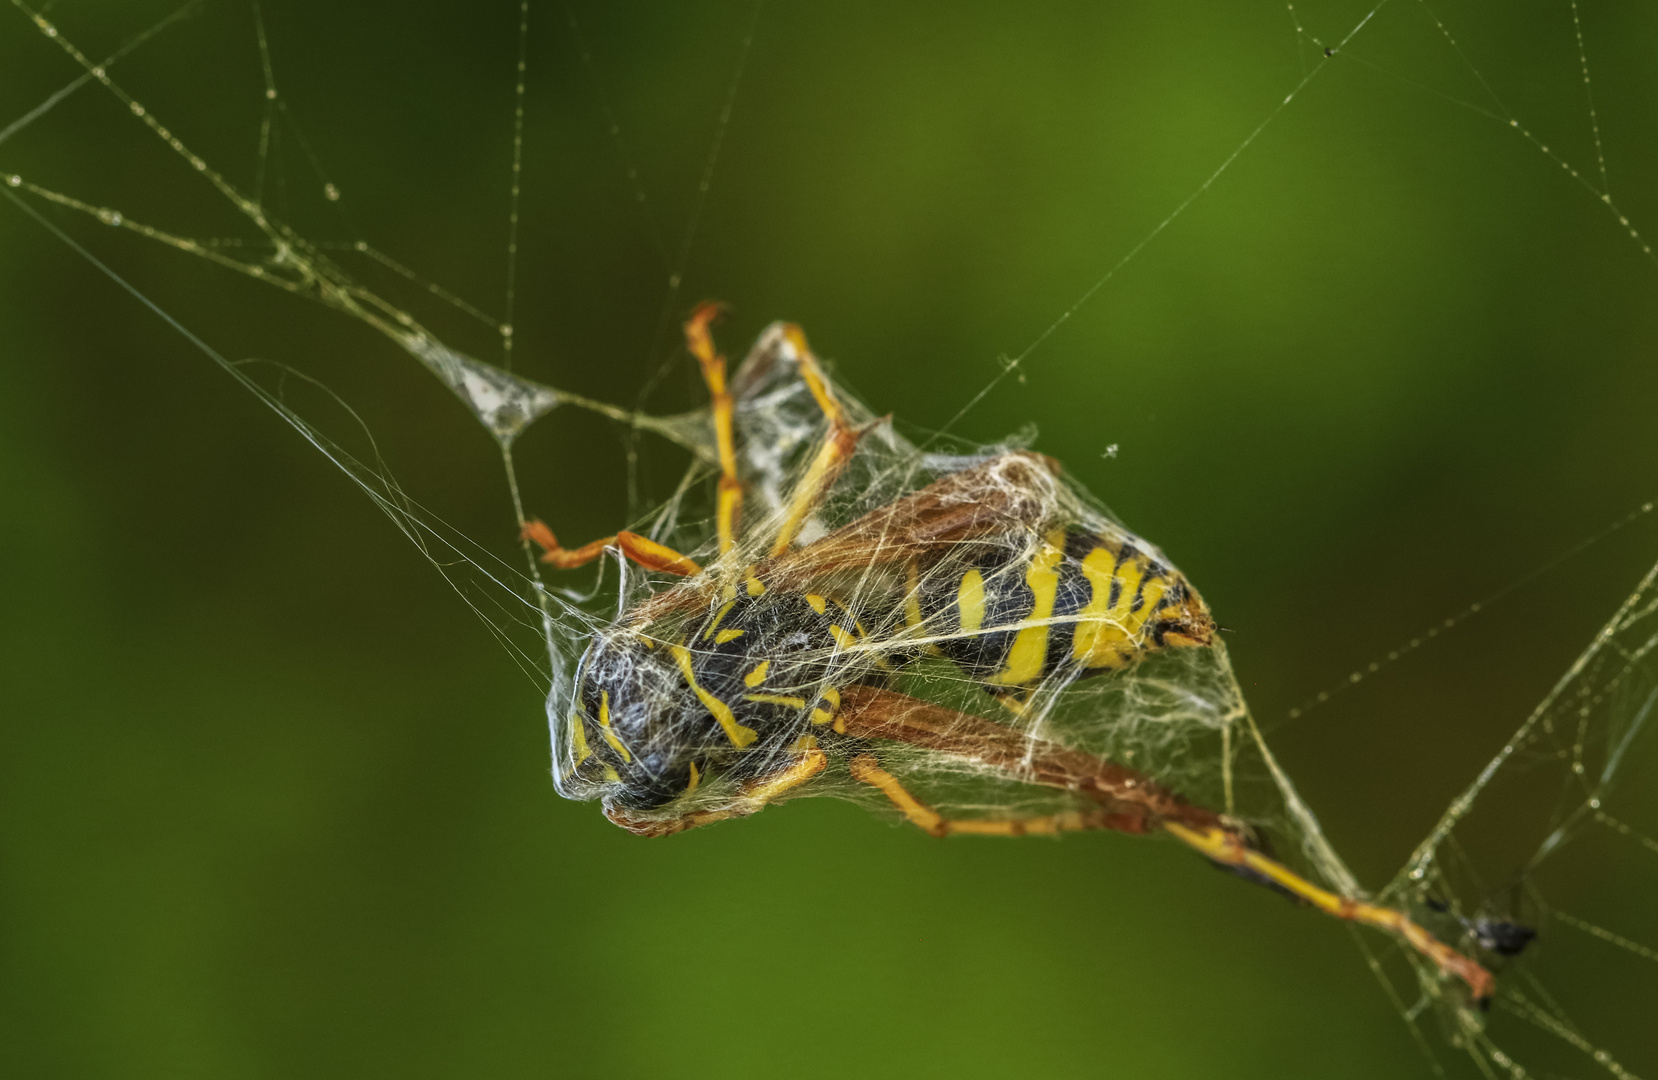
966, 639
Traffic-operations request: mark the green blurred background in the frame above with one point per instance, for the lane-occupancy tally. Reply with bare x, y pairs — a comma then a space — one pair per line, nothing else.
274, 803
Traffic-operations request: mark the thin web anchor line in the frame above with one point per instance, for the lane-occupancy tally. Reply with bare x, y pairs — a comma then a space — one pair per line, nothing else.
506, 329
1404, 649
1589, 92
676, 271
87, 76
1010, 365
1603, 193
392, 501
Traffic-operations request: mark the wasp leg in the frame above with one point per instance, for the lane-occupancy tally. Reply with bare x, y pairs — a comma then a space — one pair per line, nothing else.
873, 713
700, 341
1227, 850
756, 795
831, 457
642, 550
865, 769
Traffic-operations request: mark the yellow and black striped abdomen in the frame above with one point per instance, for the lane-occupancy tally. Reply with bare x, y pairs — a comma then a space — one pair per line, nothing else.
1013, 613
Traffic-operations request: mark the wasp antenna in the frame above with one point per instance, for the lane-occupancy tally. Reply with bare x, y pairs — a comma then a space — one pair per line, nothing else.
1225, 629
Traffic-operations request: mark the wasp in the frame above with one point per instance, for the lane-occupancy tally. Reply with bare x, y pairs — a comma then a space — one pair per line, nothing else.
803, 653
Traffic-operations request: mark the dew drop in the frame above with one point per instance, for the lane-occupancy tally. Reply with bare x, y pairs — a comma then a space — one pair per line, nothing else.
109, 217
331, 193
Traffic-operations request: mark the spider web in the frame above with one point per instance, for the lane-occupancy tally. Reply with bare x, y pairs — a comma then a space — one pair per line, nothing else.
1534, 837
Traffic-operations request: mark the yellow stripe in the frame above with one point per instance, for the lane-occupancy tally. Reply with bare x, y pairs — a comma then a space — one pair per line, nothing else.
739, 735
820, 715
755, 588
605, 730
758, 675
845, 638
776, 699
912, 598
816, 601
696, 778
727, 635
578, 737
1100, 641
970, 601
722, 613
1030, 646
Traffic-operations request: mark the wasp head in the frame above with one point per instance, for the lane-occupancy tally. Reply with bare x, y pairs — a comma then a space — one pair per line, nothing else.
1185, 622
625, 732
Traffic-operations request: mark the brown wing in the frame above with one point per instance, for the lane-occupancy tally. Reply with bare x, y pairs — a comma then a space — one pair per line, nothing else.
1013, 490
1018, 489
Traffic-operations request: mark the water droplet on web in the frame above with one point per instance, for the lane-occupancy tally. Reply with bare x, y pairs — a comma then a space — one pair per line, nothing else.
270, 93
14, 180
1110, 451
109, 217
137, 109
331, 193
1594, 804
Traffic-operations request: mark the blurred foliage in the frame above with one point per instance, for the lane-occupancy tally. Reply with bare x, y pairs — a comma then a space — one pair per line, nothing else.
272, 803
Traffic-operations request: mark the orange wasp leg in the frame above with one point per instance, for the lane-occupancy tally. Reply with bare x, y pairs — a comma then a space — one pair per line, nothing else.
865, 769
641, 549
700, 340
756, 795
873, 713
831, 457
1225, 849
